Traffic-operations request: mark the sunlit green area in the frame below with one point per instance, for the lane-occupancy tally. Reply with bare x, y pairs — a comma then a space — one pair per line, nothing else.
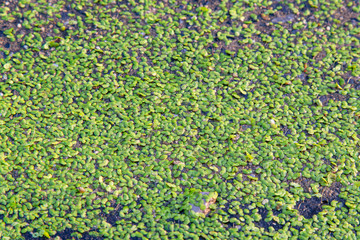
235, 119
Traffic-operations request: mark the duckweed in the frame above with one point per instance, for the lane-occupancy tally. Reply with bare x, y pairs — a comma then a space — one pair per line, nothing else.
179, 119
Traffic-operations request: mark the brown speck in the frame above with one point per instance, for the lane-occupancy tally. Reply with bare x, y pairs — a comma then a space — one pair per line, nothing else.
265, 17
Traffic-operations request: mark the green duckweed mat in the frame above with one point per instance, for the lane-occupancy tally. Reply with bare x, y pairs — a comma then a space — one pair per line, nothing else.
179, 119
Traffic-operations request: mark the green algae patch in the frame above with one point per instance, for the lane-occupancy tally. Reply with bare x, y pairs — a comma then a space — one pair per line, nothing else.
179, 119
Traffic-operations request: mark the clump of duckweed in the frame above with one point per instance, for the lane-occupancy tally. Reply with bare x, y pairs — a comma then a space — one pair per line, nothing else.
179, 119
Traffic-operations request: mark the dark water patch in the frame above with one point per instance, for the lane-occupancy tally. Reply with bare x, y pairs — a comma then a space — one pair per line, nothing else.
312, 206
286, 130
64, 235
264, 224
64, 16
334, 96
